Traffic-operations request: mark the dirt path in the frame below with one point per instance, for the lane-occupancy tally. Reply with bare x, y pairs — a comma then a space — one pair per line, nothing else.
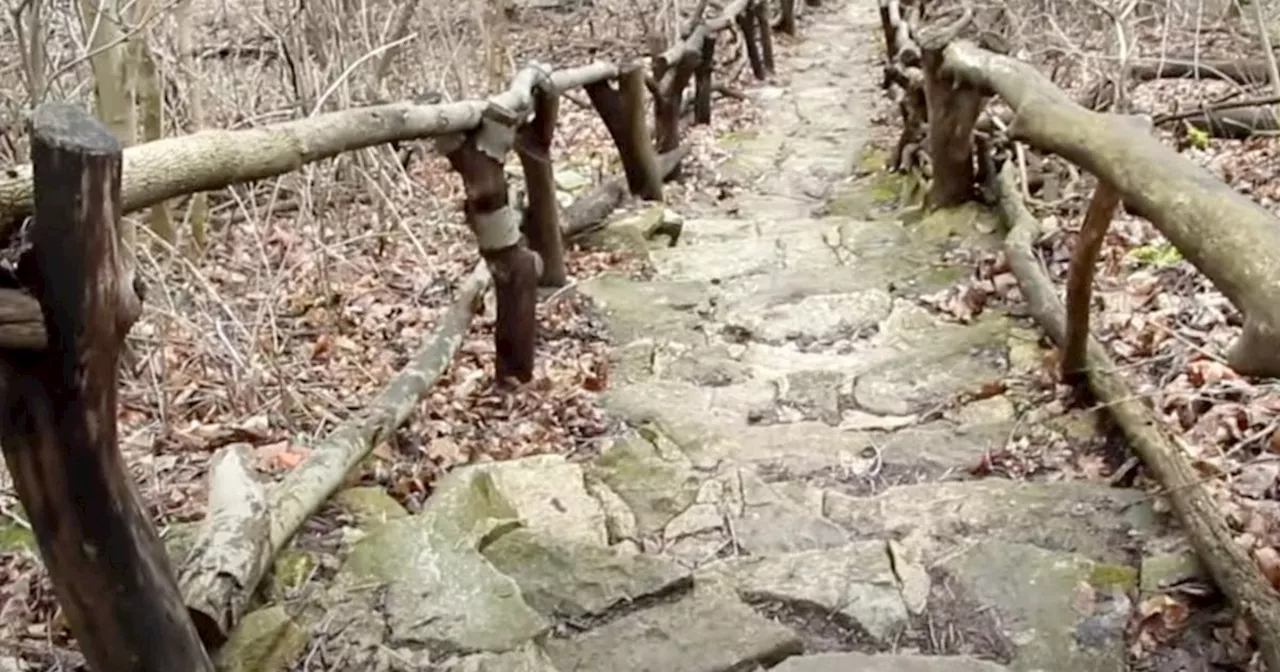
794, 491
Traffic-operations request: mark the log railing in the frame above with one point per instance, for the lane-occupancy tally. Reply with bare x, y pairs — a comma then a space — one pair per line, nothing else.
940, 84
69, 297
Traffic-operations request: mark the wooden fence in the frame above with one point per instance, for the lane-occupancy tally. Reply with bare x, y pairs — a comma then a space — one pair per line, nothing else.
70, 296
941, 83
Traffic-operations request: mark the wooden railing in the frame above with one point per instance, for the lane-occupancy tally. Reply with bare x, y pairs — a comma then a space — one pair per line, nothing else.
940, 84
69, 296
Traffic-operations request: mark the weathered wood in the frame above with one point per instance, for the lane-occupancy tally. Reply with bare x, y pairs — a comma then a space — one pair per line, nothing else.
702, 81
952, 112
158, 171
478, 158
731, 13
1102, 207
1234, 572
622, 110
576, 78
58, 432
1228, 237
787, 17
541, 225
668, 105
747, 25
765, 26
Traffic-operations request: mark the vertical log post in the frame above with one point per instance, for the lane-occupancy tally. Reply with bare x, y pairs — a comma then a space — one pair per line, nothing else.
58, 430
765, 26
478, 156
669, 102
1102, 208
953, 110
541, 225
702, 81
787, 20
746, 20
622, 110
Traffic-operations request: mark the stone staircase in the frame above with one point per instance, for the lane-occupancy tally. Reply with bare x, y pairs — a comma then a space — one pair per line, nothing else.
794, 489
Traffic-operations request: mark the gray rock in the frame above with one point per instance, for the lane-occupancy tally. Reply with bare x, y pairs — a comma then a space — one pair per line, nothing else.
817, 316
815, 394
266, 639
569, 578
439, 589
923, 382
861, 662
370, 505
1062, 611
549, 496
709, 630
648, 310
1093, 520
656, 480
855, 581
528, 658
1163, 571
770, 523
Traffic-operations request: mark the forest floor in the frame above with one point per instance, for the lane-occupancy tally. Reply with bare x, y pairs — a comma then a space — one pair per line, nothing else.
314, 290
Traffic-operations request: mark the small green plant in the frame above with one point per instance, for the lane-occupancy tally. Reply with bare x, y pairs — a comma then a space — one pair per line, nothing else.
1161, 254
1197, 138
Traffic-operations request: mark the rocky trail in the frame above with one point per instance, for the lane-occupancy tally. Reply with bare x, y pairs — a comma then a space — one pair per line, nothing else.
794, 489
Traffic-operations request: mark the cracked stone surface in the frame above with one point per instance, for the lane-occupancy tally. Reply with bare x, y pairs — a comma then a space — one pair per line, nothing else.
794, 484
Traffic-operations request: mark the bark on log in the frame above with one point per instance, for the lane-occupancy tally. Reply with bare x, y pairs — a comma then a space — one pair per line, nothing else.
1102, 208
1235, 574
541, 225
478, 158
58, 432
952, 113
622, 110
1227, 236
673, 77
206, 160
232, 547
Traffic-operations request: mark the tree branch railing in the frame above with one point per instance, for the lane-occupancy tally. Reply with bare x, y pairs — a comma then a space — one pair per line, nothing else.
940, 84
61, 324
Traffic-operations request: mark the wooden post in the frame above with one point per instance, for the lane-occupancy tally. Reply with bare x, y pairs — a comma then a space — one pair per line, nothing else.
787, 20
478, 157
953, 110
58, 430
702, 81
541, 225
765, 26
746, 21
1097, 219
622, 110
674, 77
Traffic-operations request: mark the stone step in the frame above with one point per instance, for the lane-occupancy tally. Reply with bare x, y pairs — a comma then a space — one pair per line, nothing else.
725, 260
861, 662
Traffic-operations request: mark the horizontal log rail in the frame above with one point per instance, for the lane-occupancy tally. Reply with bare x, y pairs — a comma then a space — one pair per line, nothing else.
940, 84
